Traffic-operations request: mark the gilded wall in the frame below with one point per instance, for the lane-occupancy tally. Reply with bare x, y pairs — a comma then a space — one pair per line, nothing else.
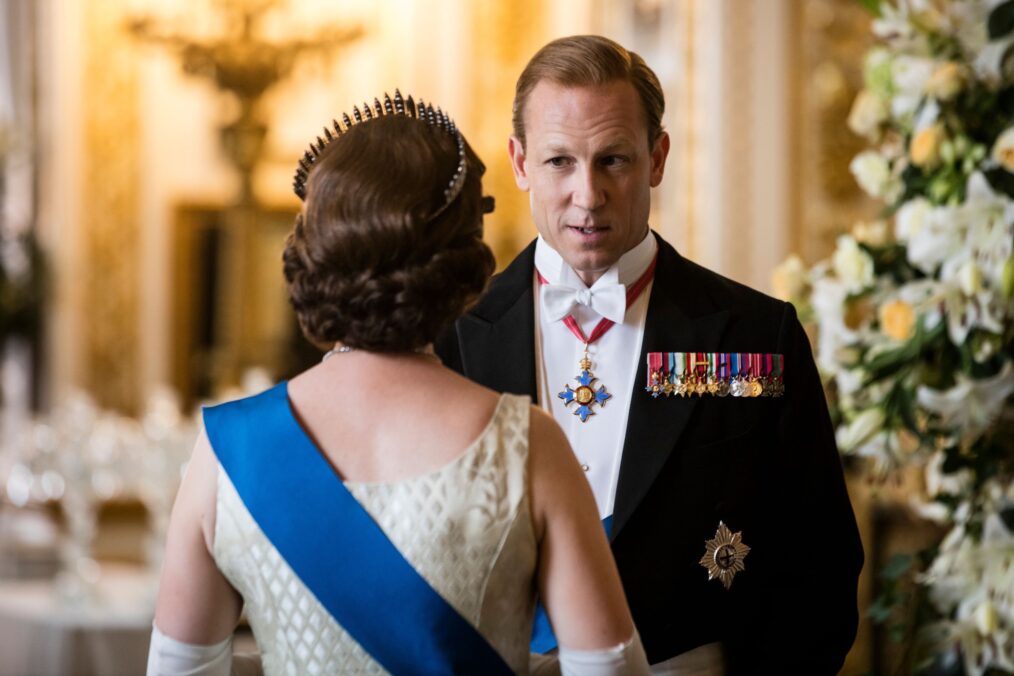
112, 165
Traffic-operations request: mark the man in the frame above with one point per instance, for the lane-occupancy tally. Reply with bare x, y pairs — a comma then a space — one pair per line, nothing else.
728, 515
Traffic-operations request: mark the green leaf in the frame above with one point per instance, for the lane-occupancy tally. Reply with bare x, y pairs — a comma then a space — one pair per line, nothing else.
872, 6
1001, 180
1001, 20
880, 610
953, 461
896, 567
1005, 100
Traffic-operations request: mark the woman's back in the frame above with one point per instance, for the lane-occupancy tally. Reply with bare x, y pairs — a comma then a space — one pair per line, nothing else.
381, 418
465, 526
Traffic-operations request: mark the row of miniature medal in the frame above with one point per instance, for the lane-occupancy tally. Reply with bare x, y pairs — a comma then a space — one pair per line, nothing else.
739, 374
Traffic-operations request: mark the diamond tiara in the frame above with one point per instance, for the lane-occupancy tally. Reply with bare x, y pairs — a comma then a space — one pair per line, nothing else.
396, 106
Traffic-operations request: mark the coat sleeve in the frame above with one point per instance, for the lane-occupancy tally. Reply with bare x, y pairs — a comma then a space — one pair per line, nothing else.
805, 619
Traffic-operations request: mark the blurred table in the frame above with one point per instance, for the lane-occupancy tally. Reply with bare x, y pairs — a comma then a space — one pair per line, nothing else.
41, 634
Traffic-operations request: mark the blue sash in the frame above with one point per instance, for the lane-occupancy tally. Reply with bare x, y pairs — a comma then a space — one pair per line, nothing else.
335, 547
543, 638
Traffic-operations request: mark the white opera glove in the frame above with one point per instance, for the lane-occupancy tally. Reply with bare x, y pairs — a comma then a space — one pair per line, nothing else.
626, 659
169, 657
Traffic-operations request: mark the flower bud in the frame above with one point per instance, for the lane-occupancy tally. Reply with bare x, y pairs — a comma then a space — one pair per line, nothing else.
897, 320
871, 233
1007, 278
946, 82
986, 618
970, 278
789, 279
925, 148
868, 113
1003, 149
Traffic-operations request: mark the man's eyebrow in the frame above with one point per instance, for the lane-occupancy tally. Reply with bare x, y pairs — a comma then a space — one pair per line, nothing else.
614, 147
556, 149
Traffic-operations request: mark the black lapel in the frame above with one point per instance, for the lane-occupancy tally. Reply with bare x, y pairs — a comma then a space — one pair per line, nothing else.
680, 319
497, 337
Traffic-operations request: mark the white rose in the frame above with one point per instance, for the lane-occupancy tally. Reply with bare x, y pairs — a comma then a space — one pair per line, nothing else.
1003, 149
852, 265
873, 174
863, 427
912, 73
911, 218
867, 114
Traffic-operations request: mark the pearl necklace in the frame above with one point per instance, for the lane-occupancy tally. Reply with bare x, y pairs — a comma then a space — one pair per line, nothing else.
335, 350
344, 349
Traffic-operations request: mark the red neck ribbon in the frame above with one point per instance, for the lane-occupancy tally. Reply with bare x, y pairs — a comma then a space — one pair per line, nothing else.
633, 293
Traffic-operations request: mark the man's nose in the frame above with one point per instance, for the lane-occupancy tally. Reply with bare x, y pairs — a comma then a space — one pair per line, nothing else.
589, 192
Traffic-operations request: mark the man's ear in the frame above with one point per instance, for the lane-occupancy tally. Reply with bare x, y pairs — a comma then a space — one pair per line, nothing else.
658, 155
516, 150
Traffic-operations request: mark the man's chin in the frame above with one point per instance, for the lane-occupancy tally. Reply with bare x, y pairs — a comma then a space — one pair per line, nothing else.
591, 267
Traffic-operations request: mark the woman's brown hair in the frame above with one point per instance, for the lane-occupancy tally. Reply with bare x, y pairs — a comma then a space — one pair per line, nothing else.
366, 264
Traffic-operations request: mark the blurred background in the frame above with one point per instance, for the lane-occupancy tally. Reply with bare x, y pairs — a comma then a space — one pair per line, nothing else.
146, 156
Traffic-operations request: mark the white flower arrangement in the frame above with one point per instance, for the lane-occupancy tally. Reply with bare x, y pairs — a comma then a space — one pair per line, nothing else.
915, 310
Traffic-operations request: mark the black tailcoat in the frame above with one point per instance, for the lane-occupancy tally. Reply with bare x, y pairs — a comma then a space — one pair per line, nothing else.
767, 467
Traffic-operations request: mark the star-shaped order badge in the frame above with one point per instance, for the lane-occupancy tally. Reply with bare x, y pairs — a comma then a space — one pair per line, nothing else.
724, 554
585, 396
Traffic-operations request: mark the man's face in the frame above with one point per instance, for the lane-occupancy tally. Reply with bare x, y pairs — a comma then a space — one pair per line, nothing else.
588, 170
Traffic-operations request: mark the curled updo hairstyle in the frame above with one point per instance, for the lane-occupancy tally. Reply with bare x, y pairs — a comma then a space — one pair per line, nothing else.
366, 265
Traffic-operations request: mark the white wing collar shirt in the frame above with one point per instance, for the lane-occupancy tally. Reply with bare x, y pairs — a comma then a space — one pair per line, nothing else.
598, 442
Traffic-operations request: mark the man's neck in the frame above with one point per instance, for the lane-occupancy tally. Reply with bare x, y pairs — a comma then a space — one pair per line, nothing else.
628, 267
590, 277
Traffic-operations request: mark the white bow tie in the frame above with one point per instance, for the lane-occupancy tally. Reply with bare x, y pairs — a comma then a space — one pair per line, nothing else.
610, 301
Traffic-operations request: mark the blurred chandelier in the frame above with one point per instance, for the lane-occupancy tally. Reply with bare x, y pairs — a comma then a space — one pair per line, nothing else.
243, 65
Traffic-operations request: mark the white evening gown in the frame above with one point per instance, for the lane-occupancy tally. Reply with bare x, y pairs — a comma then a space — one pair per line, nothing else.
466, 528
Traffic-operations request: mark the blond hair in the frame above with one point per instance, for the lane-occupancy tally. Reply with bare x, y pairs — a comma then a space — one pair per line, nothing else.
588, 60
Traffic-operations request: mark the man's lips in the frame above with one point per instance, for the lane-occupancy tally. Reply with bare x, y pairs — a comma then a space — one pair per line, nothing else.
588, 229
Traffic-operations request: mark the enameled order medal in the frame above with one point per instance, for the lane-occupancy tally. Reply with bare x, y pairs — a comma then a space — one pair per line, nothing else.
586, 396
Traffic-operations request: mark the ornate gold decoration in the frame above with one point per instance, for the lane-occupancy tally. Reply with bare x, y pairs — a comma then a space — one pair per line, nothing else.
504, 37
245, 66
724, 554
111, 246
832, 36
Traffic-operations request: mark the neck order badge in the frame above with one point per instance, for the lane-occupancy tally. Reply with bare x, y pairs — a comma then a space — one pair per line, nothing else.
586, 396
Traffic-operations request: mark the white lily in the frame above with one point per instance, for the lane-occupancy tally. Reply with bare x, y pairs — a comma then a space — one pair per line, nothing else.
937, 236
940, 483
973, 404
861, 429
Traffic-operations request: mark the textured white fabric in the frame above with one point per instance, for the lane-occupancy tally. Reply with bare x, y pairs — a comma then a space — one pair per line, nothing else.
465, 527
606, 297
598, 442
169, 657
626, 659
